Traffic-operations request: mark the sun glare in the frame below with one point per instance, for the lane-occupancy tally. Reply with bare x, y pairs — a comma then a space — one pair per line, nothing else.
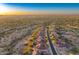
3, 9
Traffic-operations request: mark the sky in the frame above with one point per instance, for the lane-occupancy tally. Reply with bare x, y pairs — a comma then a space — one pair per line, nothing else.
38, 8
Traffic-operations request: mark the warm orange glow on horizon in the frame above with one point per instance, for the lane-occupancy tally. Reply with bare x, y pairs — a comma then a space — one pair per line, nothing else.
15, 13
22, 13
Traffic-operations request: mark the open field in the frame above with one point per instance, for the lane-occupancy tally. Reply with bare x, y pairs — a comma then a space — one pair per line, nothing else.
39, 35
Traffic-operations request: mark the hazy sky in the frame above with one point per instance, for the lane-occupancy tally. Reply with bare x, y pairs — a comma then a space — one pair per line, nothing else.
41, 8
